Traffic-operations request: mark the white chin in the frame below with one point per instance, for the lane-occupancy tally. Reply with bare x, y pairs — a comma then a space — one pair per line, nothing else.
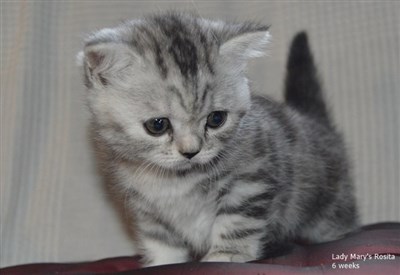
181, 165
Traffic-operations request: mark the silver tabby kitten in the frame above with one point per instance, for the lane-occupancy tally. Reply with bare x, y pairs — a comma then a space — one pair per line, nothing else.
210, 171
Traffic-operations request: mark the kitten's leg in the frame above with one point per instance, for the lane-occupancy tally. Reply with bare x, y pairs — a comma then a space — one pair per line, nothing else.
337, 221
235, 239
156, 243
157, 252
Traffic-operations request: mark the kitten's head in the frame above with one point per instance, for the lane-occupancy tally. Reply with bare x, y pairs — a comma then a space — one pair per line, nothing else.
170, 90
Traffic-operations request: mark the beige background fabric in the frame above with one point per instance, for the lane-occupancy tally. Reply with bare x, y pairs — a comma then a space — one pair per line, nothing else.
53, 205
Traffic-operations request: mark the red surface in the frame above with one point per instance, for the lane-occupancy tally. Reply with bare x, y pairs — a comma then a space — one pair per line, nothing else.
380, 239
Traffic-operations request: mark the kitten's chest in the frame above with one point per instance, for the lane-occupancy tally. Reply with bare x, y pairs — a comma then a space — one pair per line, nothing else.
188, 203
192, 215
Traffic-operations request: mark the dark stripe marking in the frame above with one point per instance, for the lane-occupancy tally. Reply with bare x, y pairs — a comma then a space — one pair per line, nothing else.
180, 97
245, 209
241, 233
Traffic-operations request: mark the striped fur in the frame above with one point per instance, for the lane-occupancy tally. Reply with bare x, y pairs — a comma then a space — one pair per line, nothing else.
270, 174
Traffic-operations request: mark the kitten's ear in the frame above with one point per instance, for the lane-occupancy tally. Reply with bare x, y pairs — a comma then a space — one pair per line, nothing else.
240, 48
106, 62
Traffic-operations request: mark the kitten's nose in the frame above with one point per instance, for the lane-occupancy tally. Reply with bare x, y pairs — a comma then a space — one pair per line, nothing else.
189, 155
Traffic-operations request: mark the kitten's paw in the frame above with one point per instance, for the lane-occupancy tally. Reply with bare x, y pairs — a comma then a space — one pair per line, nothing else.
218, 257
227, 257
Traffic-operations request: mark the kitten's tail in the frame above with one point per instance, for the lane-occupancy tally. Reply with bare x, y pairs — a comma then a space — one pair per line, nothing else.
303, 89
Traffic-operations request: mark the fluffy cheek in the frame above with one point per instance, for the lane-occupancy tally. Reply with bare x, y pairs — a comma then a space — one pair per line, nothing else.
217, 141
209, 151
164, 154
130, 142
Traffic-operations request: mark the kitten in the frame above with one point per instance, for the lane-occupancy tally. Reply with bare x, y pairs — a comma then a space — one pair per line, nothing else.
211, 172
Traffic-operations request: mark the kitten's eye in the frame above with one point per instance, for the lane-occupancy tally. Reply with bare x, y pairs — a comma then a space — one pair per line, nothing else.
157, 126
216, 119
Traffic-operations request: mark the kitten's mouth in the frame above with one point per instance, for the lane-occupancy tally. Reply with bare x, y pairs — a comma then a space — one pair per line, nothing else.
185, 165
182, 167
178, 169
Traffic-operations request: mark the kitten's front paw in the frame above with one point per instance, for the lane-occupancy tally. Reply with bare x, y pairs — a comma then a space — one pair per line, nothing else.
226, 257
